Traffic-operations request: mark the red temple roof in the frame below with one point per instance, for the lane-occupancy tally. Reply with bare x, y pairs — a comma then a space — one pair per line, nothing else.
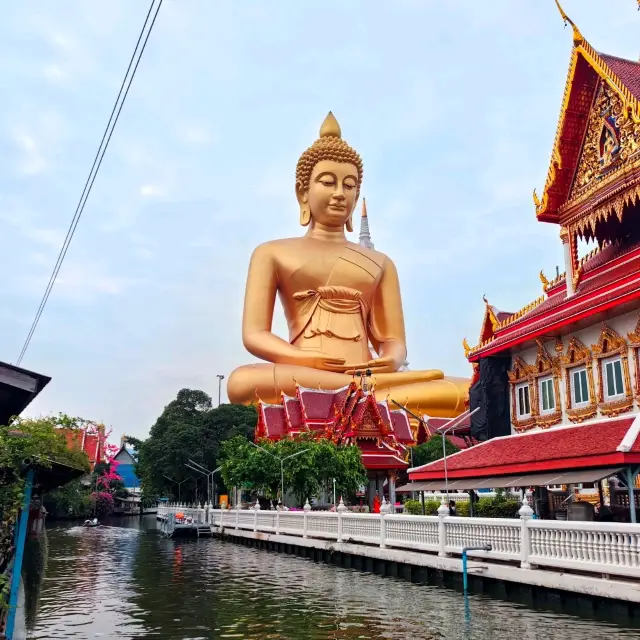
346, 416
587, 67
611, 278
606, 442
91, 444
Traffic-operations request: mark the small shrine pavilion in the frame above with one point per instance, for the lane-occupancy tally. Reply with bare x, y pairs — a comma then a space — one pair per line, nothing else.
563, 372
351, 415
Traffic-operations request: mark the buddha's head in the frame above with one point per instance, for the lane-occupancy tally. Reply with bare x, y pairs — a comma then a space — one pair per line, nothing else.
328, 179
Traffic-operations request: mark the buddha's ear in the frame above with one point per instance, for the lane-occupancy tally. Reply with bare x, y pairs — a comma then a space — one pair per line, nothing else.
302, 194
303, 200
349, 223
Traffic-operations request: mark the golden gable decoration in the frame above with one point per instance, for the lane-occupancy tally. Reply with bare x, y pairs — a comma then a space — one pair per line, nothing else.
634, 343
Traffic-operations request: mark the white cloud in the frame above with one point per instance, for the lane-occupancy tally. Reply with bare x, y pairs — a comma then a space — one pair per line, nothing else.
152, 190
32, 160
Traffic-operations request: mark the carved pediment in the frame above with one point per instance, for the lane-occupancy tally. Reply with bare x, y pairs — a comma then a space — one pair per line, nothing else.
609, 343
576, 354
544, 362
610, 140
520, 370
634, 336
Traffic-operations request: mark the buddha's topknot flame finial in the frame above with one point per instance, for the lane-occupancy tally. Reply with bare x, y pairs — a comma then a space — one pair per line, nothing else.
330, 127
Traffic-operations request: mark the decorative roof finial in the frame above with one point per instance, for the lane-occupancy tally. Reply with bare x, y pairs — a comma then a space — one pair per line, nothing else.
466, 347
364, 200
330, 127
484, 297
577, 36
543, 279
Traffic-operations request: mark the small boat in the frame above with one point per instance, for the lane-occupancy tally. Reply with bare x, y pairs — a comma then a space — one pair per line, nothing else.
91, 523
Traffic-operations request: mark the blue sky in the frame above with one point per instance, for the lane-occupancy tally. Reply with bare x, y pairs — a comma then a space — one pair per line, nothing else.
452, 105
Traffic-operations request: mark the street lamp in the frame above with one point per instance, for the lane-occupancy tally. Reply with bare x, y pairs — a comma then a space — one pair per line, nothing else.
178, 483
220, 379
205, 472
293, 455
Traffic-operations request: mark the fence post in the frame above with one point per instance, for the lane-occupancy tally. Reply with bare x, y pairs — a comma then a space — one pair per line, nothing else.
237, 515
525, 512
342, 509
255, 515
305, 519
443, 512
277, 522
383, 531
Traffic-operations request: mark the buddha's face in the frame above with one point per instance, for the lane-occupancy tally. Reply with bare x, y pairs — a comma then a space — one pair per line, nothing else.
332, 192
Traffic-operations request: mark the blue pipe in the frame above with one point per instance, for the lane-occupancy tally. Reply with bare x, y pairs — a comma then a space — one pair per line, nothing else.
21, 537
486, 547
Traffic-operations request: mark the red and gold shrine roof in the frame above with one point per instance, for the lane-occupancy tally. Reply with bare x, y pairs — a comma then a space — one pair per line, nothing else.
569, 192
348, 415
608, 442
610, 282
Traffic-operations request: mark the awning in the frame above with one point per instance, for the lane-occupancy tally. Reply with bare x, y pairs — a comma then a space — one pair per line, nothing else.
504, 482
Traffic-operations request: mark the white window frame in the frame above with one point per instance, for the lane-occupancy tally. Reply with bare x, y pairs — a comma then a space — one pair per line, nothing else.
522, 385
541, 381
572, 373
603, 372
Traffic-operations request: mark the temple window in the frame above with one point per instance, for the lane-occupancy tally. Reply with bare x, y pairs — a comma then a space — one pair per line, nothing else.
581, 399
547, 395
615, 393
524, 401
579, 387
613, 380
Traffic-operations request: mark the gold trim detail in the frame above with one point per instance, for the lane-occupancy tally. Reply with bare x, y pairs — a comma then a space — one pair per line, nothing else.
522, 373
577, 356
630, 106
634, 343
612, 344
516, 316
545, 366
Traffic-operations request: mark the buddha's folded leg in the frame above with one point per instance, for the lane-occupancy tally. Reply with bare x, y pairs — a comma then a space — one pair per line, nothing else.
444, 398
266, 381
431, 394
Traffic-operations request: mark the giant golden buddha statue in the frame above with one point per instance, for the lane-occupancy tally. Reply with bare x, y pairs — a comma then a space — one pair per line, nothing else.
338, 299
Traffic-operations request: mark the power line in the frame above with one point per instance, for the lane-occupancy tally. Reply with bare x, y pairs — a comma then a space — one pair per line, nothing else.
95, 167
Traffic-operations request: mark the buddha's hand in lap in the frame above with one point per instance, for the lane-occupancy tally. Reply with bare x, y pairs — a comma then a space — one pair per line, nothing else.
317, 360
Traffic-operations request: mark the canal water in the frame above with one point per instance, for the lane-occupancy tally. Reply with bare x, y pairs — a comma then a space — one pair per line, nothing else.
127, 581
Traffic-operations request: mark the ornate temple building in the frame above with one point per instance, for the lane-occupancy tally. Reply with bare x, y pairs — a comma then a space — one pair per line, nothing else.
563, 372
351, 415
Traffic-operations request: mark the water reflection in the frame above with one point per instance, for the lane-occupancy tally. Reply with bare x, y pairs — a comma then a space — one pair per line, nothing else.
124, 582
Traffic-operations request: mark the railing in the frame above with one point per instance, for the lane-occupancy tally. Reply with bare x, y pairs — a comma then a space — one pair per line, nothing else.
191, 515
589, 547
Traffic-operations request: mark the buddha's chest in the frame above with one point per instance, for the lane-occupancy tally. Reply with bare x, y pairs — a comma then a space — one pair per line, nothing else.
340, 267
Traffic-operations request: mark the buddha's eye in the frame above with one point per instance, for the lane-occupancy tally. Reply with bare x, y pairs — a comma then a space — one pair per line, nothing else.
328, 183
349, 186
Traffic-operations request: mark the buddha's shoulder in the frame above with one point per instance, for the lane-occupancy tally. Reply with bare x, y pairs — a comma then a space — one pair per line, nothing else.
274, 246
376, 256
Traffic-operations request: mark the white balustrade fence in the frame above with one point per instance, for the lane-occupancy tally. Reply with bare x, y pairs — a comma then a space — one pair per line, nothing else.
590, 547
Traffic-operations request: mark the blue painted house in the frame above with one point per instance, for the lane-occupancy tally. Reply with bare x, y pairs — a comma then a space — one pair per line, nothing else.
125, 468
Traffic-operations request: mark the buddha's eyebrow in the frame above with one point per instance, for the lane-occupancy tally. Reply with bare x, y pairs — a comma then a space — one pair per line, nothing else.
326, 173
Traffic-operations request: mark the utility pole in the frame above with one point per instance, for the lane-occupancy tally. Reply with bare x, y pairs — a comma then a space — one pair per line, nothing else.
220, 379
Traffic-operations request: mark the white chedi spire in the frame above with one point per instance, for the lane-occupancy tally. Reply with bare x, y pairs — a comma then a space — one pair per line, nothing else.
364, 238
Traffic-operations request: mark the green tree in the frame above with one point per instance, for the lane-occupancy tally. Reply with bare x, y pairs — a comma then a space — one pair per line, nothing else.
40, 443
188, 428
313, 466
431, 450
